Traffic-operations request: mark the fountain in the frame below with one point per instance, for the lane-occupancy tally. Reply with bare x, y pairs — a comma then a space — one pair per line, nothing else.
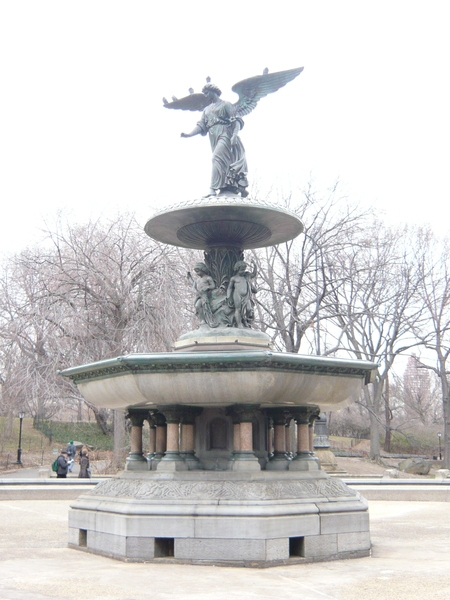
229, 477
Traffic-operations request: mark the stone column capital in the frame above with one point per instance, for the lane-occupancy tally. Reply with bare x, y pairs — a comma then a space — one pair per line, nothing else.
242, 413
190, 413
314, 416
137, 416
279, 415
305, 415
160, 419
151, 418
172, 413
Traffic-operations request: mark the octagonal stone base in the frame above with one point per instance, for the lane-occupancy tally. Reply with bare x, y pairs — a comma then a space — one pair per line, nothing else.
205, 339
257, 519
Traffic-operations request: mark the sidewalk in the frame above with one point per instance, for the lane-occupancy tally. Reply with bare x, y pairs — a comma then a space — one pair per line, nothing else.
410, 561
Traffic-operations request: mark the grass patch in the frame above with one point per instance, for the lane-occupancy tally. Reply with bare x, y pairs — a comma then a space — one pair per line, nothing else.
32, 439
90, 434
51, 434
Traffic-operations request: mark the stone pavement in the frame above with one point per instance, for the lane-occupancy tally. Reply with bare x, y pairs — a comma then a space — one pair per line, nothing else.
410, 560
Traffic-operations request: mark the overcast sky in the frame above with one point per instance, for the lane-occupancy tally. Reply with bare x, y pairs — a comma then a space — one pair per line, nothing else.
83, 129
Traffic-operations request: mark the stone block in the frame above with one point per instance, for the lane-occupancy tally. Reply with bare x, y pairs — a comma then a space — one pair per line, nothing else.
116, 524
278, 465
107, 543
277, 549
136, 465
344, 523
349, 505
353, 542
140, 548
136, 526
245, 465
160, 526
310, 464
226, 549
442, 474
83, 519
172, 465
321, 546
74, 536
257, 527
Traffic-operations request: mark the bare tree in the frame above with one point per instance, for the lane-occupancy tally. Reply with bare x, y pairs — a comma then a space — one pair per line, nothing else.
90, 292
434, 291
375, 307
294, 279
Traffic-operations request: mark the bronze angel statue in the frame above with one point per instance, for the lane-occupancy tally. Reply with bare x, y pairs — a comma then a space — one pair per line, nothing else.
222, 120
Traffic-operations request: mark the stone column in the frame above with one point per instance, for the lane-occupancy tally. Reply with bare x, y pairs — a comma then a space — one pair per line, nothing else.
304, 459
172, 461
236, 429
270, 437
287, 438
189, 413
160, 438
151, 438
136, 460
312, 419
281, 418
243, 458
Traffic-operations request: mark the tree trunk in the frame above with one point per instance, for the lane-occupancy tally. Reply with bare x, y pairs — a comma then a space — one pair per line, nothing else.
446, 407
387, 419
101, 417
119, 438
374, 437
372, 404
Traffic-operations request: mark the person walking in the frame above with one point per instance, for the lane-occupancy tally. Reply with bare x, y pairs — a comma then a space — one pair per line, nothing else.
63, 465
71, 452
84, 465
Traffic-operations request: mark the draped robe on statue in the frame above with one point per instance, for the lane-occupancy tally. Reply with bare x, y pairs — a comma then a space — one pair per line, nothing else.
229, 166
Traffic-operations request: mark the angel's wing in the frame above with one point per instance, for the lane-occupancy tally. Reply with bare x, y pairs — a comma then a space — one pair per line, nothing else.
191, 102
251, 90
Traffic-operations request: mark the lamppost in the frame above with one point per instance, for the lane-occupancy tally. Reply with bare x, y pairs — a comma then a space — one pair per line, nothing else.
19, 449
439, 439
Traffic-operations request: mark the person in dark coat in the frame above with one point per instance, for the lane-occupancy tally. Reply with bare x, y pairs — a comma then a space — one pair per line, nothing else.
71, 452
84, 465
63, 465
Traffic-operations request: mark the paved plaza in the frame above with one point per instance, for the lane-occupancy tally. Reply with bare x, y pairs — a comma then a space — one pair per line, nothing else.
410, 560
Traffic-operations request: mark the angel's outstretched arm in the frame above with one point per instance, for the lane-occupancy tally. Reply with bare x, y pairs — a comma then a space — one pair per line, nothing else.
196, 131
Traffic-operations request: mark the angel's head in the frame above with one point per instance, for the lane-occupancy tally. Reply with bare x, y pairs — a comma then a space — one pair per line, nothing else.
210, 87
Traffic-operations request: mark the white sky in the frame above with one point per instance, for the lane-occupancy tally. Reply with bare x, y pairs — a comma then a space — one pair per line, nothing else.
83, 129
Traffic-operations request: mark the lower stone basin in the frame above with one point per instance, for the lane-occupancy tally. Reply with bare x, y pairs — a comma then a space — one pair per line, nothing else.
217, 379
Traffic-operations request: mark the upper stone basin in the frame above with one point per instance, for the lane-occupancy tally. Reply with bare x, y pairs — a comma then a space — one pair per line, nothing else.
224, 220
221, 379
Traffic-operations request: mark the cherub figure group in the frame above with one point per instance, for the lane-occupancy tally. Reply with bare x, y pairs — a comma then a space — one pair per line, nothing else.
236, 308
